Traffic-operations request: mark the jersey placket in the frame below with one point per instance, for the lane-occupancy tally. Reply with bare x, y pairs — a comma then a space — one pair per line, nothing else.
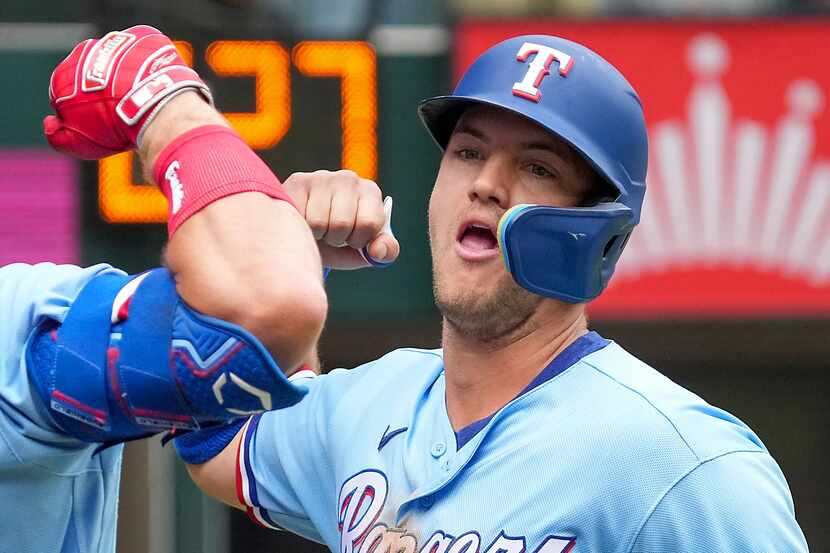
447, 463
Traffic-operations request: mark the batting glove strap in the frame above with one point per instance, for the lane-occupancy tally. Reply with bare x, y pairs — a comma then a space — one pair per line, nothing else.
131, 359
107, 91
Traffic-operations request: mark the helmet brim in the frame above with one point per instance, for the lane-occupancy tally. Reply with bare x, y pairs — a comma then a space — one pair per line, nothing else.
440, 115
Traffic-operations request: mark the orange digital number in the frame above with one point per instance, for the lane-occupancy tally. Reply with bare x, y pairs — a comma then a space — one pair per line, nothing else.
268, 63
355, 64
122, 201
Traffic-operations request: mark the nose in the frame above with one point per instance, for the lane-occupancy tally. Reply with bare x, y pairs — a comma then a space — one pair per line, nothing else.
491, 184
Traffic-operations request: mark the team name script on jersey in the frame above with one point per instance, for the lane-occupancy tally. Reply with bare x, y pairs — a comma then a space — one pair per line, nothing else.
361, 501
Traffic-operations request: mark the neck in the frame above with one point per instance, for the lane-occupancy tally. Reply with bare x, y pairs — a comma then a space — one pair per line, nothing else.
483, 376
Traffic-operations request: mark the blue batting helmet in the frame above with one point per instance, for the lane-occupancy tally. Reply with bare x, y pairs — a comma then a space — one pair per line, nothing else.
563, 253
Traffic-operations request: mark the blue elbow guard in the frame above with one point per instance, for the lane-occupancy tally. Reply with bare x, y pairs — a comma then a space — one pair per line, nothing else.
131, 360
201, 446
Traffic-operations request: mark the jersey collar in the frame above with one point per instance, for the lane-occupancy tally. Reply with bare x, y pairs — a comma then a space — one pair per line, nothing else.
579, 348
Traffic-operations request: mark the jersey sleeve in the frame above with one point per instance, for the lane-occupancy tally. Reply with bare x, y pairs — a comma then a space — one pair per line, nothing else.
30, 294
285, 473
736, 502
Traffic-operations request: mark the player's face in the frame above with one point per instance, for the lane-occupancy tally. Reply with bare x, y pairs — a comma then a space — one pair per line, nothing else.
494, 160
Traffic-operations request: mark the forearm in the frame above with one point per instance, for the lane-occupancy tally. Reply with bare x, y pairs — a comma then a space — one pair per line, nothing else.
246, 258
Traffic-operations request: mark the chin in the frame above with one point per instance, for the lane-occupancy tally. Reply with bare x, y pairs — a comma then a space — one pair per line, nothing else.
482, 284
472, 288
485, 312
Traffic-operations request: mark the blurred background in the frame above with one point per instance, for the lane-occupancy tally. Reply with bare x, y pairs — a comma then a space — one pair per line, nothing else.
725, 286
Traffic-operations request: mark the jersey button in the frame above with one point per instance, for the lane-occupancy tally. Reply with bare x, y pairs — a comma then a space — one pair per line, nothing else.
426, 501
438, 449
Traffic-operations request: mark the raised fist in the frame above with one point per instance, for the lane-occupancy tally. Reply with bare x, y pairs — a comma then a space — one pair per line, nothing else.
348, 217
107, 91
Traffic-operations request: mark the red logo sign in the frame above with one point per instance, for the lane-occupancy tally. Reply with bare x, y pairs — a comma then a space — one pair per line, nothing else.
736, 220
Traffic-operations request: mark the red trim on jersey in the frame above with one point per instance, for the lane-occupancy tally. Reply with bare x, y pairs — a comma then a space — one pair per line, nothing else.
239, 495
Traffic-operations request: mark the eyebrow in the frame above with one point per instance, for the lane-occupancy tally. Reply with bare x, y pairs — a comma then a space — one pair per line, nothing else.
555, 149
465, 128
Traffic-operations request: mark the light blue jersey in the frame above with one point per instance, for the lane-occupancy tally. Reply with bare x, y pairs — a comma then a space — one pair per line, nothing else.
58, 495
599, 454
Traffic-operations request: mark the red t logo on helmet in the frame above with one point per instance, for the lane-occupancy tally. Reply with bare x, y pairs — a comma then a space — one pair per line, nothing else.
539, 67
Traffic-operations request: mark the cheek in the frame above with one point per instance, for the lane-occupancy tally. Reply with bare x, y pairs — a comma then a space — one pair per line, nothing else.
544, 192
440, 207
436, 225
431, 216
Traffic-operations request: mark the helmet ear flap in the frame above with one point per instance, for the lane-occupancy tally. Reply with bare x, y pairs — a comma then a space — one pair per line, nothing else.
618, 240
564, 253
611, 254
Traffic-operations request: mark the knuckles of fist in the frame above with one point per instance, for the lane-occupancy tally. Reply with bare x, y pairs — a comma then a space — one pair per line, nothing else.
341, 208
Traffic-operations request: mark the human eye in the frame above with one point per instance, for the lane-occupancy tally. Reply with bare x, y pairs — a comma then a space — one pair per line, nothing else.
540, 171
468, 154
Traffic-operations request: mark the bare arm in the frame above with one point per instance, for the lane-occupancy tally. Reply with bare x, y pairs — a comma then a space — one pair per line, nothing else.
247, 258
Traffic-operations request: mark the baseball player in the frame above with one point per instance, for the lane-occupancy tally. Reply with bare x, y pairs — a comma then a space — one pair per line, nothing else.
92, 357
526, 432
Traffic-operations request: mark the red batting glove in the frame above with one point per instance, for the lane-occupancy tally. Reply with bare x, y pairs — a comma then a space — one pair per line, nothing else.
107, 91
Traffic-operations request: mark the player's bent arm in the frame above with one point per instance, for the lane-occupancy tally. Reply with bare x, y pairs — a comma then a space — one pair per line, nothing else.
736, 502
243, 254
132, 356
246, 258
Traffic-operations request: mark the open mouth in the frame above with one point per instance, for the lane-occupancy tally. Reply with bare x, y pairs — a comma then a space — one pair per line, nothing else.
477, 237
